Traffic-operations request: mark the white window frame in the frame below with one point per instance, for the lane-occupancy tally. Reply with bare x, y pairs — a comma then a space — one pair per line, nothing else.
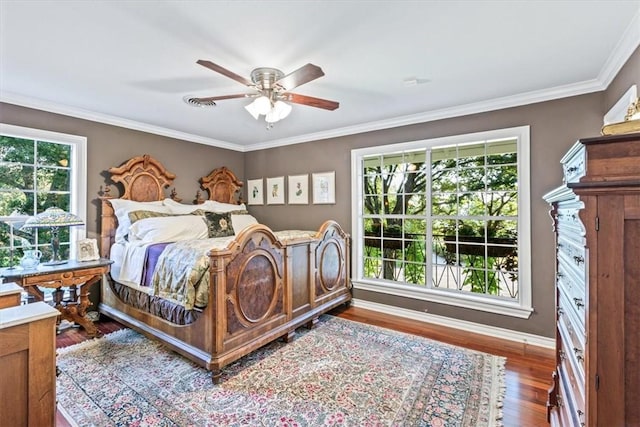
522, 307
78, 191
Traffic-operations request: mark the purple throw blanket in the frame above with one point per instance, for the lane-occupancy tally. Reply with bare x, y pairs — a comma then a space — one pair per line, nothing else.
150, 261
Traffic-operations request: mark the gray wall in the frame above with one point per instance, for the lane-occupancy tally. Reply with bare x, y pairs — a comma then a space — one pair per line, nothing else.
555, 127
109, 146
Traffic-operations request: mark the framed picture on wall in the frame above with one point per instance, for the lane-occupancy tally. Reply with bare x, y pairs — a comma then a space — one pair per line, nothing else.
254, 190
299, 189
324, 188
275, 191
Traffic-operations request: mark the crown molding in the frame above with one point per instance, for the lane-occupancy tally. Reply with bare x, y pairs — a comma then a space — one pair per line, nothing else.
446, 113
624, 49
52, 107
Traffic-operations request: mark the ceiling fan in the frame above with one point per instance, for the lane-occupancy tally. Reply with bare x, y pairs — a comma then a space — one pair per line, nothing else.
272, 87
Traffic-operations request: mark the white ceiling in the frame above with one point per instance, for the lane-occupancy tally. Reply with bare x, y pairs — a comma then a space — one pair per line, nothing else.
130, 63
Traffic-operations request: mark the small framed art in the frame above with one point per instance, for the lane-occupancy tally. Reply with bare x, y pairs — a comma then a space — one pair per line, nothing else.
87, 250
254, 188
298, 189
324, 188
275, 190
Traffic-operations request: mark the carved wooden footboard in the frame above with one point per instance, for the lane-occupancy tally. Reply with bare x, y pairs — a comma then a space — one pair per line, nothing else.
261, 289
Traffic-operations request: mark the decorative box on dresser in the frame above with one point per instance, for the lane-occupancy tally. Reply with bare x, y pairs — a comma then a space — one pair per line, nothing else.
596, 215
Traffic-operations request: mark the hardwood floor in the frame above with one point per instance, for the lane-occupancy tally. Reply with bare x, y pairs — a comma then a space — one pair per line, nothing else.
528, 368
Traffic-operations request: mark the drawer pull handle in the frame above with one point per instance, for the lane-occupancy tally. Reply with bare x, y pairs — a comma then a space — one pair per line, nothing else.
560, 311
578, 353
572, 169
578, 302
578, 259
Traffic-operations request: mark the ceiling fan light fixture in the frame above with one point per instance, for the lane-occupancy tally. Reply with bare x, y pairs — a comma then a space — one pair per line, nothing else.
282, 109
263, 104
251, 108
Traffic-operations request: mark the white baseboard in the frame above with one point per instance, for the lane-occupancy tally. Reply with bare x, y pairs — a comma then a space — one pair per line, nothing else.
492, 331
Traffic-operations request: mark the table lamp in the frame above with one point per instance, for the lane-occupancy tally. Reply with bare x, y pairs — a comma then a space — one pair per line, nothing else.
15, 220
53, 218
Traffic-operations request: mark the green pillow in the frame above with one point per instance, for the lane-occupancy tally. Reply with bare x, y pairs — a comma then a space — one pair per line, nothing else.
138, 215
219, 224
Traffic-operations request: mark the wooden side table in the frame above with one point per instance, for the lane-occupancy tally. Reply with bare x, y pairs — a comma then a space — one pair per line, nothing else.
75, 275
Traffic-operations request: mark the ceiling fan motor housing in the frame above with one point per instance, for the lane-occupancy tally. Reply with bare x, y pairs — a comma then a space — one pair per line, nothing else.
264, 78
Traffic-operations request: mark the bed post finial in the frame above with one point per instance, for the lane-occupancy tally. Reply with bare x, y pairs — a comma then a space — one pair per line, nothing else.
174, 195
198, 200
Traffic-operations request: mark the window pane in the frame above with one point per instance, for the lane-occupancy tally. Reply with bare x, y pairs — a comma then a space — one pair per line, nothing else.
16, 176
53, 179
52, 154
444, 204
472, 204
502, 178
372, 184
471, 155
373, 205
16, 150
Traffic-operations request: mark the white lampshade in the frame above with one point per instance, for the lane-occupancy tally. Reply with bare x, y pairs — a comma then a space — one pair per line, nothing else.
260, 105
279, 111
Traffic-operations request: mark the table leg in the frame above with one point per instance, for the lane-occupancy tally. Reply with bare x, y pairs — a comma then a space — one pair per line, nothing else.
75, 309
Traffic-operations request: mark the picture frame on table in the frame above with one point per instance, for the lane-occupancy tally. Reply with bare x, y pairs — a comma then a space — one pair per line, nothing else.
298, 189
87, 250
255, 194
275, 190
324, 188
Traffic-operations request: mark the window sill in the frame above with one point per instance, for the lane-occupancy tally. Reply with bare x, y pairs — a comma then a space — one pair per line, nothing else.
443, 297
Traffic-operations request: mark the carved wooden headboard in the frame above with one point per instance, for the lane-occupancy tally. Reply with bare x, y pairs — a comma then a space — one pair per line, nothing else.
145, 179
222, 185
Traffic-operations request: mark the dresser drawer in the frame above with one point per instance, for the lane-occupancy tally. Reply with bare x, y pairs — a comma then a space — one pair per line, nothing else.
574, 375
573, 337
572, 257
574, 291
570, 413
568, 217
574, 163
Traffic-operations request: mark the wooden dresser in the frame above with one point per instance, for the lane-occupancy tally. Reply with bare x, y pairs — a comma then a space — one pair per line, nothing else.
27, 365
596, 214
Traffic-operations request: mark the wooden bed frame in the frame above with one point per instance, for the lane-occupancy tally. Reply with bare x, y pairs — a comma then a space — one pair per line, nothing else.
261, 289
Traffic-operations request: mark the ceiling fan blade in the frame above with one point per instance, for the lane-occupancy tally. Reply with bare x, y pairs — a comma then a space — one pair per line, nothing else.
302, 75
311, 101
218, 69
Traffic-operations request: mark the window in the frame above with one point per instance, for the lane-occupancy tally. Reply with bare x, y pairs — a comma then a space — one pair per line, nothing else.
38, 170
446, 220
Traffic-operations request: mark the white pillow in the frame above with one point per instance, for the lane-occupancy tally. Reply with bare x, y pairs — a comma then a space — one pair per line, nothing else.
226, 207
207, 205
181, 208
122, 207
169, 229
240, 222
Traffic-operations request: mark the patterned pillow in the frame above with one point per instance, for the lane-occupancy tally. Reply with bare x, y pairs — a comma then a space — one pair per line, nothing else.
138, 215
219, 224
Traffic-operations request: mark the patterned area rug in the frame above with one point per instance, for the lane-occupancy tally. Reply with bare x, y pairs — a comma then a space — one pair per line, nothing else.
341, 373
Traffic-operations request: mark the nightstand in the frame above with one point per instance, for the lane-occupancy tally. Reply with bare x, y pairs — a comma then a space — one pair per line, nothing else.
76, 276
